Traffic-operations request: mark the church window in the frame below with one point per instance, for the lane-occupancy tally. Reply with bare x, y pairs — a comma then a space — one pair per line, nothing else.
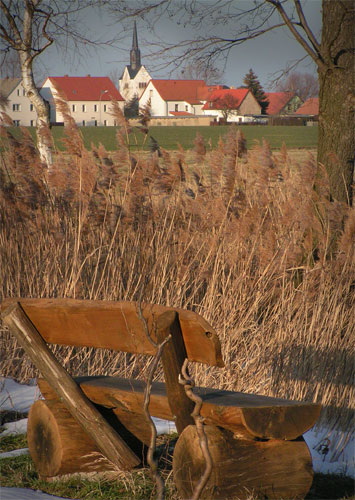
126, 85
142, 85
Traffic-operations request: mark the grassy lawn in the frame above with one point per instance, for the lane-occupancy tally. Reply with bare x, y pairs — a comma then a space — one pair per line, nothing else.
170, 137
20, 472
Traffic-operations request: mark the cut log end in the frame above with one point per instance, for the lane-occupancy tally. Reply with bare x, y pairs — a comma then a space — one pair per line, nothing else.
58, 445
242, 467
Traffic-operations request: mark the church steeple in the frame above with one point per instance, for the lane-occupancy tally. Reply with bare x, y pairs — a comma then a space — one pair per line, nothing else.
135, 52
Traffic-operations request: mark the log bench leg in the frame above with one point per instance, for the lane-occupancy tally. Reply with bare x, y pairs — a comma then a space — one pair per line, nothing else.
274, 469
58, 445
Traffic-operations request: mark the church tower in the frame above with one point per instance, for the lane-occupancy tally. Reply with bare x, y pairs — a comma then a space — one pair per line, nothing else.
135, 77
135, 52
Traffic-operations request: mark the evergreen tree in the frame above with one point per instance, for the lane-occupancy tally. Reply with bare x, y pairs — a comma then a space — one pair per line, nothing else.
131, 109
252, 83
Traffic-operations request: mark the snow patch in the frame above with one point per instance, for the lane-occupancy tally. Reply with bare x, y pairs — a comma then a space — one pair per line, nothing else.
22, 494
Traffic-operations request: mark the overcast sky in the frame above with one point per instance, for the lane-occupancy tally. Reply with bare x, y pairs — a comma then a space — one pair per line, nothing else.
266, 55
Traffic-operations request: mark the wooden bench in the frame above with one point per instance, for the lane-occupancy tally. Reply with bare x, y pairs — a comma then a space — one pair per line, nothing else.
96, 423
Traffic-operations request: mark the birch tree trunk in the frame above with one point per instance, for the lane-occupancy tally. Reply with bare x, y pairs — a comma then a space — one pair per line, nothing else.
26, 57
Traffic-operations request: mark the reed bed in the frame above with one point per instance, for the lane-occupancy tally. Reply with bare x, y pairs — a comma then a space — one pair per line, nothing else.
248, 239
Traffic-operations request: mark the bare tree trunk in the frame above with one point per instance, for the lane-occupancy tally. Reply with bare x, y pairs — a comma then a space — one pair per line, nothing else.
44, 142
336, 98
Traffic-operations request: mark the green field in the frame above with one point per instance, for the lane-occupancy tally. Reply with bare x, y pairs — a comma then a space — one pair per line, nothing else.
170, 137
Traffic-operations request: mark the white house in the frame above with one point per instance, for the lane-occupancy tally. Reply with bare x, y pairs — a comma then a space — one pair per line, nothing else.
19, 107
176, 97
89, 99
234, 105
135, 76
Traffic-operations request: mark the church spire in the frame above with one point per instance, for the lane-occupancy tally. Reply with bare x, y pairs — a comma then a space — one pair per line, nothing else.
135, 52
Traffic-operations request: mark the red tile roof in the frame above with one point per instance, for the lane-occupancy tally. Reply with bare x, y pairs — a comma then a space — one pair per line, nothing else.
310, 107
277, 101
217, 97
180, 90
181, 113
87, 88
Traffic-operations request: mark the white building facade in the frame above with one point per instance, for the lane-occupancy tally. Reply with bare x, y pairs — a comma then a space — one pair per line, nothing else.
89, 99
19, 107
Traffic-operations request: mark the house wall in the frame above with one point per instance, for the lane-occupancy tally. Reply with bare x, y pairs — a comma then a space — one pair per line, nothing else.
158, 105
95, 113
129, 88
23, 116
250, 106
292, 105
233, 117
173, 121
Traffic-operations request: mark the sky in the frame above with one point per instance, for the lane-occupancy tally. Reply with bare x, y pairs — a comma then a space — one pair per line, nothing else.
266, 55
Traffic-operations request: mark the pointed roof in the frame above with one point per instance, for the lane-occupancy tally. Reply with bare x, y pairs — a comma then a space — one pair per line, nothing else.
135, 37
86, 88
310, 107
277, 101
215, 100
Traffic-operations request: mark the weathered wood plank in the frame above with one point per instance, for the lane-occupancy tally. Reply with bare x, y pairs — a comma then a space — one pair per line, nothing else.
116, 325
242, 468
106, 439
262, 416
173, 357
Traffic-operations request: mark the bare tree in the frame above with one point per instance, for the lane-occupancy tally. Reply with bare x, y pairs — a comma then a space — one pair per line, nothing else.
10, 64
28, 28
196, 70
333, 55
305, 85
227, 104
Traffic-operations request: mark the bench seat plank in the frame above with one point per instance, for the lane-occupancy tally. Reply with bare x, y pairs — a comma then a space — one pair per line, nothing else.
262, 416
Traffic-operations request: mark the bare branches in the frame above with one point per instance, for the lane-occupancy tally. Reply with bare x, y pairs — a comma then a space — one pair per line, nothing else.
152, 462
189, 384
315, 55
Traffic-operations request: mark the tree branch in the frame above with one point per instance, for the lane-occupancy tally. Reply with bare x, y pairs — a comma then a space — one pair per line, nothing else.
306, 28
11, 22
189, 384
314, 55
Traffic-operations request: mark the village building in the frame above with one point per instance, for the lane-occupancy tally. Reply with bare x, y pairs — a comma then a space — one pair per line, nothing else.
18, 106
232, 105
309, 108
282, 103
89, 99
176, 98
135, 76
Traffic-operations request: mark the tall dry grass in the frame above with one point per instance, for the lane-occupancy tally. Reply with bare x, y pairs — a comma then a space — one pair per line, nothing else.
248, 239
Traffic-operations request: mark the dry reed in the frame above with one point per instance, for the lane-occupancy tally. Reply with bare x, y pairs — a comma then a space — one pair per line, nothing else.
249, 240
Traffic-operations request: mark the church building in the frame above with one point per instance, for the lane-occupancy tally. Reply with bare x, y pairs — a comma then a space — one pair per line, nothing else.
135, 77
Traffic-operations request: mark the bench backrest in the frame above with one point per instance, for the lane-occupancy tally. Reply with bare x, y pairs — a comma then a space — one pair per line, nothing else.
117, 326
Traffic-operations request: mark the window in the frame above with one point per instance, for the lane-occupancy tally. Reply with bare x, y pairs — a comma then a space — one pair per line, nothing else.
83, 123
142, 85
105, 108
17, 123
32, 123
95, 107
18, 92
31, 107
16, 107
73, 108
126, 85
176, 107
95, 123
186, 108
83, 108
105, 123
24, 92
